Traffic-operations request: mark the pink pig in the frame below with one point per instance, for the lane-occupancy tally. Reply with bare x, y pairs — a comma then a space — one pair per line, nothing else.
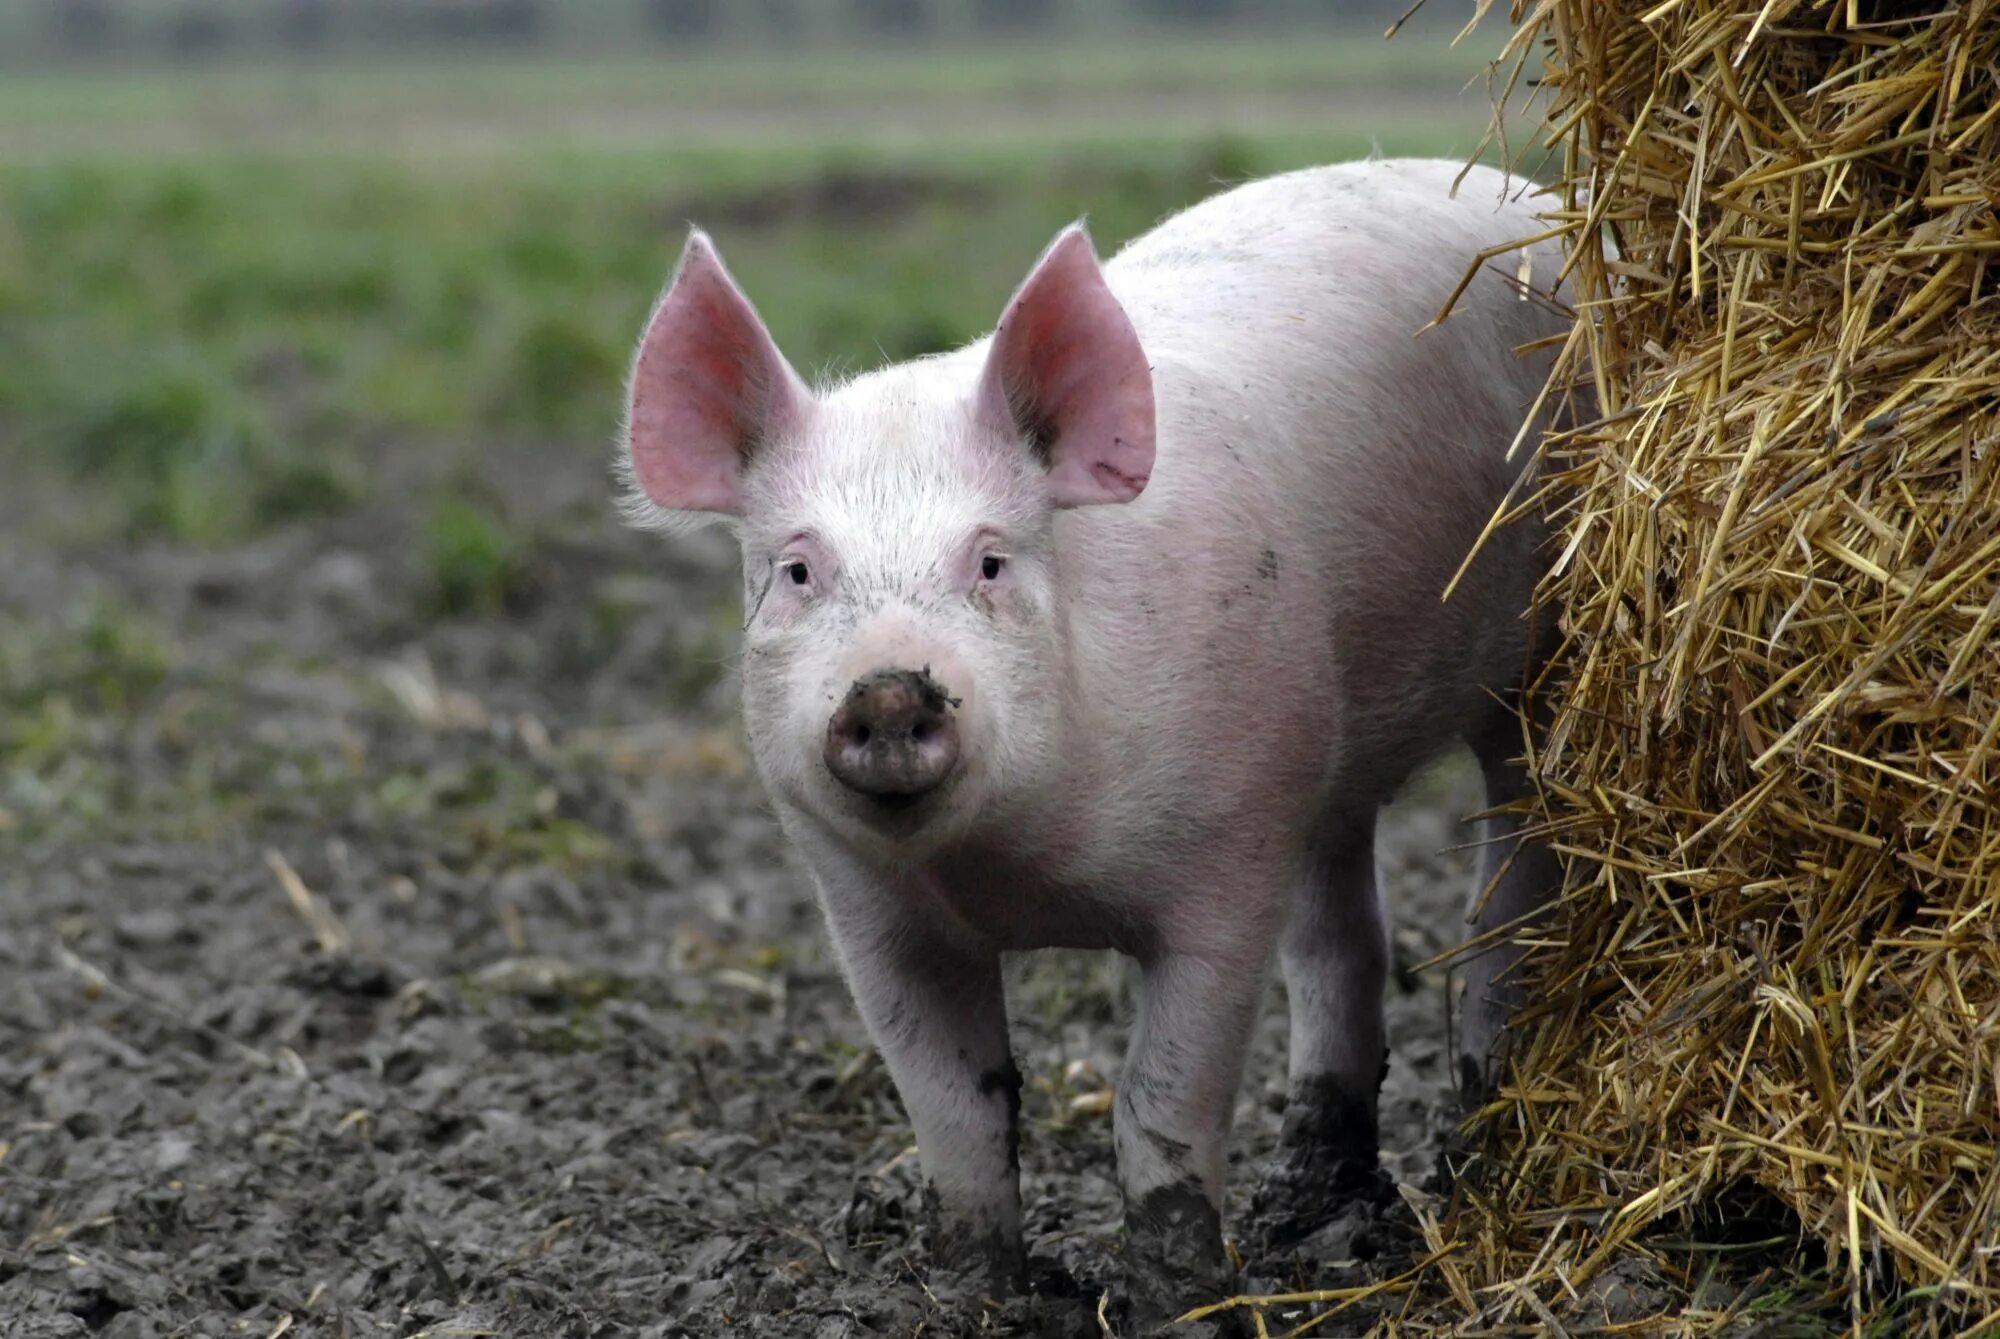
1112, 631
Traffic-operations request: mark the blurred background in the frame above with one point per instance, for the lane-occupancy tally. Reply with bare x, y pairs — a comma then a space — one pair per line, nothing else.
374, 819
245, 244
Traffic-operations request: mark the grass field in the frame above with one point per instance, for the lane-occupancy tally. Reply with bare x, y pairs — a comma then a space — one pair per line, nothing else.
216, 339
219, 340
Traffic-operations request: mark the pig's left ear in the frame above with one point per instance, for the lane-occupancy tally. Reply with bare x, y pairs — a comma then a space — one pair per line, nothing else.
708, 388
1067, 375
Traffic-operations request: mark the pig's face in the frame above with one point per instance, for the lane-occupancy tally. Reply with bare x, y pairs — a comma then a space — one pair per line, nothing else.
902, 631
905, 643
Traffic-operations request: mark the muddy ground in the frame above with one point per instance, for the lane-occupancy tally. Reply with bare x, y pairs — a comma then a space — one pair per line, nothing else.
383, 958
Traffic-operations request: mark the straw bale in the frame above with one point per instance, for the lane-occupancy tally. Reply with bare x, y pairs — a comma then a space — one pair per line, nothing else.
1774, 763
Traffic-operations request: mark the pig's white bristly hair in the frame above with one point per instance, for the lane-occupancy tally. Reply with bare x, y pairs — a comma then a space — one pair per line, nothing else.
863, 482
641, 512
896, 477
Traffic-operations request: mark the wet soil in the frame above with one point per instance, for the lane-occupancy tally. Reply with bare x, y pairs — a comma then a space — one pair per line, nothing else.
371, 970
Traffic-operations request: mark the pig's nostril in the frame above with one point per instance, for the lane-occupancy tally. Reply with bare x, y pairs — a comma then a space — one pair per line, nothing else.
862, 734
920, 731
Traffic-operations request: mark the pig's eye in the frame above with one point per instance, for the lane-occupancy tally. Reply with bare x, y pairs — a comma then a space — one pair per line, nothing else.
797, 572
990, 565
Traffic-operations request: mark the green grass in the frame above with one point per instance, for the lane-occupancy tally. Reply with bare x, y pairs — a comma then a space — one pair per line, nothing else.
475, 561
227, 295
222, 344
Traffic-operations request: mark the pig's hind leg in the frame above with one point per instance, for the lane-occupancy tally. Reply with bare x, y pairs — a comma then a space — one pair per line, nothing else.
1516, 877
1335, 956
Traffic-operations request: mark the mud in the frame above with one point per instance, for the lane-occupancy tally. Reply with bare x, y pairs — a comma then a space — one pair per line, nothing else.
365, 971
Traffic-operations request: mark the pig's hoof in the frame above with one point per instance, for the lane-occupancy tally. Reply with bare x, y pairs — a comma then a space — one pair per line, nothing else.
962, 1280
1325, 1163
1174, 1260
965, 1271
1459, 1160
1477, 1084
1306, 1187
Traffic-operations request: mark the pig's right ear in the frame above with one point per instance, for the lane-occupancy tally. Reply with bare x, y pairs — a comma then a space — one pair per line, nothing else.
707, 388
1067, 376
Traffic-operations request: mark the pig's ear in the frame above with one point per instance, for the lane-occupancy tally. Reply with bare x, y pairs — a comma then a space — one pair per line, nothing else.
1067, 375
708, 386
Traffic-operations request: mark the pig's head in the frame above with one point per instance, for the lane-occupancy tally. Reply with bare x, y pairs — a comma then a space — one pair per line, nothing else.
905, 641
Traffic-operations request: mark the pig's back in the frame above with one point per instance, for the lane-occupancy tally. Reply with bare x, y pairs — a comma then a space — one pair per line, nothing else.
1323, 278
1323, 469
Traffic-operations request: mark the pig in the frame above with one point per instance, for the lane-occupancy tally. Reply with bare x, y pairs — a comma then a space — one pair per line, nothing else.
1113, 630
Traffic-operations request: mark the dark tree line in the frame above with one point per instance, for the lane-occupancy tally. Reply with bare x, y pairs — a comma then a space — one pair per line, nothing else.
194, 27
198, 26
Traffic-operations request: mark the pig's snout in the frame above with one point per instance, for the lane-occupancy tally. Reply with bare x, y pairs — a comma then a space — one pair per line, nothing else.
893, 736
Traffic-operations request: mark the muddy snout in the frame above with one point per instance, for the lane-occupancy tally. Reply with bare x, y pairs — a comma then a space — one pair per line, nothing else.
893, 736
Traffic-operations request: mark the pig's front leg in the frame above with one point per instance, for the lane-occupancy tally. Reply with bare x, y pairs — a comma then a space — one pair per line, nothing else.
938, 1015
1175, 1102
1335, 953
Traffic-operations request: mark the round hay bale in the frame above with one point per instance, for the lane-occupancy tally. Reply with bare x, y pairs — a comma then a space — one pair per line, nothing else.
1774, 764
